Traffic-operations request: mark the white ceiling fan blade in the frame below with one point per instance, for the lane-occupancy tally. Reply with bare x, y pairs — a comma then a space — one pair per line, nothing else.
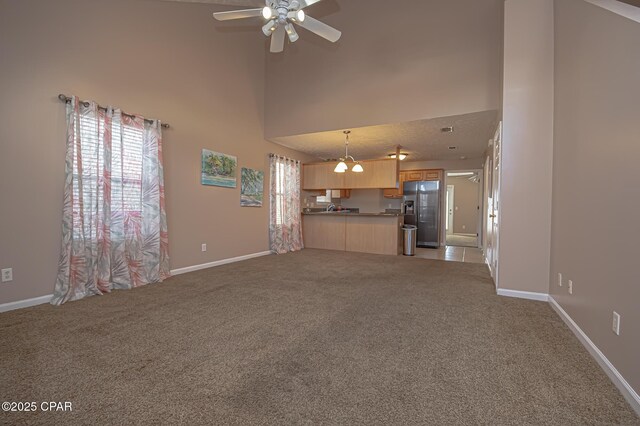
307, 3
277, 40
237, 14
320, 28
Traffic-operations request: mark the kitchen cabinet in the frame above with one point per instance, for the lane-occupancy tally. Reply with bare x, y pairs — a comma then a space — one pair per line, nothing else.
377, 174
374, 234
378, 234
321, 176
324, 231
413, 175
396, 192
340, 193
433, 175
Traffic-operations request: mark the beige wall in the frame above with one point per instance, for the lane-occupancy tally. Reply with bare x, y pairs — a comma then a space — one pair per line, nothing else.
527, 146
423, 59
596, 190
466, 201
165, 60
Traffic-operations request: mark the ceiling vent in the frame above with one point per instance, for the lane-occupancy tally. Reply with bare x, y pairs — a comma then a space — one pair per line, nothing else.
447, 129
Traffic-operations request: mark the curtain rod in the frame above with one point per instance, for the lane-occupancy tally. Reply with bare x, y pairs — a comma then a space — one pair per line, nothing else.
65, 98
271, 155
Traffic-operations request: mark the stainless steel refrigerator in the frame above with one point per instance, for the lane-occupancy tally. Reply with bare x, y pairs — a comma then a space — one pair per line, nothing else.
421, 206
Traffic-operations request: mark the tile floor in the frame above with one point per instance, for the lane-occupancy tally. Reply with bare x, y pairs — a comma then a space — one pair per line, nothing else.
460, 240
455, 254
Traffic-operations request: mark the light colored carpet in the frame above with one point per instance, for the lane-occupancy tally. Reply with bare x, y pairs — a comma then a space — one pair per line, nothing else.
315, 337
462, 240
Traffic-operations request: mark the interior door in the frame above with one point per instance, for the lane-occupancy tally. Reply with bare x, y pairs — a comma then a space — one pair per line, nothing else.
494, 204
487, 225
450, 200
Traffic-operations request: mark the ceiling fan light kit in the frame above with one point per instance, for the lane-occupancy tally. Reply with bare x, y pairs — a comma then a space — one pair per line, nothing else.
268, 28
402, 155
281, 15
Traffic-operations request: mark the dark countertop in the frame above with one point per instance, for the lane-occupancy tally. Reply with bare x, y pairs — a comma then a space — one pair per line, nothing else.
336, 213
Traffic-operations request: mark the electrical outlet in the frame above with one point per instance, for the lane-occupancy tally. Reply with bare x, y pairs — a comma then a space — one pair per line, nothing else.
570, 287
7, 275
559, 279
616, 323
204, 247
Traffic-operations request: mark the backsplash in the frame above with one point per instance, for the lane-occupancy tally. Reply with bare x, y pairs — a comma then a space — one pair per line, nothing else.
369, 201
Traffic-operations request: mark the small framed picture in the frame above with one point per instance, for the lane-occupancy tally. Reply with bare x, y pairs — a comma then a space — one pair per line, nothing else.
251, 188
218, 169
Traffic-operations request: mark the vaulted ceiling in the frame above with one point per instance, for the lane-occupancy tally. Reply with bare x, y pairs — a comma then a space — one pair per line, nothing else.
436, 64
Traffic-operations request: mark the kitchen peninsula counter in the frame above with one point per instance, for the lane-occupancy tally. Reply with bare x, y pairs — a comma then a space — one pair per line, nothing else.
377, 233
339, 213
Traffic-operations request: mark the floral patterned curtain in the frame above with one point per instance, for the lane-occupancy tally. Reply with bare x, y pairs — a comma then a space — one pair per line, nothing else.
285, 227
114, 227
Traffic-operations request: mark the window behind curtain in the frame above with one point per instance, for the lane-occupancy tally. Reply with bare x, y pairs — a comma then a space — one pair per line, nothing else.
126, 172
114, 226
280, 176
285, 228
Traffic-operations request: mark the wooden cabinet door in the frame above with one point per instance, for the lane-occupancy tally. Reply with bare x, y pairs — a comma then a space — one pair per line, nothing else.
413, 175
377, 174
386, 174
317, 176
313, 177
432, 175
324, 231
396, 192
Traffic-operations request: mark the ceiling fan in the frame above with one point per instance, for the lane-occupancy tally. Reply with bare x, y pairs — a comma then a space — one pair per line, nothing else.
280, 16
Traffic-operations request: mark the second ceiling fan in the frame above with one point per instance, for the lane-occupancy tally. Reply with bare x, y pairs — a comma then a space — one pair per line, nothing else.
280, 16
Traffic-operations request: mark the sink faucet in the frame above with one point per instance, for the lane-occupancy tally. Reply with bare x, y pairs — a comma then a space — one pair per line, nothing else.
331, 207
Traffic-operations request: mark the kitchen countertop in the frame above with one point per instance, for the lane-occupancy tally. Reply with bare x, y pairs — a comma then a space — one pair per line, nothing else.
337, 213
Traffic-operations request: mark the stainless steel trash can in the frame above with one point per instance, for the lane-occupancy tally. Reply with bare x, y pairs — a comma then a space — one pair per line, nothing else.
410, 233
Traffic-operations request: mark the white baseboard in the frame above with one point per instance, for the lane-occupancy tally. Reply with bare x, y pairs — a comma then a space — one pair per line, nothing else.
543, 297
218, 263
4, 307
25, 303
625, 388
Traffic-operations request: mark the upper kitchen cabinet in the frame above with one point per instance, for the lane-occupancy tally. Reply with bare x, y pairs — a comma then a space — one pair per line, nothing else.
377, 174
433, 175
413, 175
321, 176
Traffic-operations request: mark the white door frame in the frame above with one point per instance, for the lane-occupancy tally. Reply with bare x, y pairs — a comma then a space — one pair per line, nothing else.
480, 173
450, 203
493, 221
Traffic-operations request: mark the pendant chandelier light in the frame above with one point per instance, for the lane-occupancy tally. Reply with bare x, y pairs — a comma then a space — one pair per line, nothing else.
342, 165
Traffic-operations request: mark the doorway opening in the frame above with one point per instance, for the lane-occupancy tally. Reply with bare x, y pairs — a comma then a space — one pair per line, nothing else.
463, 219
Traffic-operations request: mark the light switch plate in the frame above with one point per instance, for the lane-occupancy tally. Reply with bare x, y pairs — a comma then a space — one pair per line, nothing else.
616, 323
